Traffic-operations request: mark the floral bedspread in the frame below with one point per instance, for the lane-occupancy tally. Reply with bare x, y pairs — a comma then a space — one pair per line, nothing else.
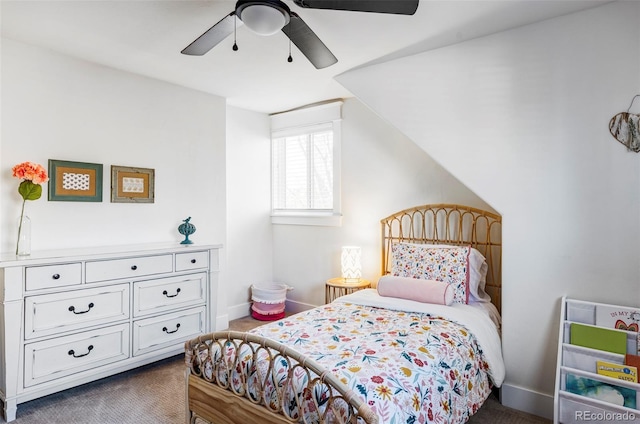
410, 367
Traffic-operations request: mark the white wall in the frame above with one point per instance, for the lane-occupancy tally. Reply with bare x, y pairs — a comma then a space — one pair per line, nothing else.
56, 107
249, 235
382, 173
521, 117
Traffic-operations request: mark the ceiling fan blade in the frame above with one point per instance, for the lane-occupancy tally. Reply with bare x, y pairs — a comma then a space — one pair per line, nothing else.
308, 42
213, 35
399, 7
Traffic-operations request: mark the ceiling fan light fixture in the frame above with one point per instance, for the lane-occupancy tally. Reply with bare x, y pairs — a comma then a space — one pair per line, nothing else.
263, 17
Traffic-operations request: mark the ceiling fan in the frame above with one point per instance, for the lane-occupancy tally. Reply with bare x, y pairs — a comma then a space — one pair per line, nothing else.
266, 17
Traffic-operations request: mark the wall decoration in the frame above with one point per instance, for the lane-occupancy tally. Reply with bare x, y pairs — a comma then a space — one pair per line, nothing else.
75, 181
132, 185
186, 229
625, 127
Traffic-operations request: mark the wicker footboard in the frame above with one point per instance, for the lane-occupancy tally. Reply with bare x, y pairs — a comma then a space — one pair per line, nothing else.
237, 378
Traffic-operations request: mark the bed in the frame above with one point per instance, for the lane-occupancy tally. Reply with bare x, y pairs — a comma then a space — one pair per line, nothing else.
423, 346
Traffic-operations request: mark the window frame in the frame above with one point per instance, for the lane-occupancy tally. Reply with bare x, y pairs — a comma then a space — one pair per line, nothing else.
298, 122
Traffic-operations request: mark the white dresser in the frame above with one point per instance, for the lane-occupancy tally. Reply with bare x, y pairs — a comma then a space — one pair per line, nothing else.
68, 317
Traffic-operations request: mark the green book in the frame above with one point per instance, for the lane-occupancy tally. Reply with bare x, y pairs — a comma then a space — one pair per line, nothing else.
599, 338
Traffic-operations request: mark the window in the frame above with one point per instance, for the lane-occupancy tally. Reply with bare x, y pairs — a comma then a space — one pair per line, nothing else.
303, 171
305, 166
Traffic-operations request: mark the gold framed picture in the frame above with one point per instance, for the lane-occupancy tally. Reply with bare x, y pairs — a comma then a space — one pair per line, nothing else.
75, 181
132, 185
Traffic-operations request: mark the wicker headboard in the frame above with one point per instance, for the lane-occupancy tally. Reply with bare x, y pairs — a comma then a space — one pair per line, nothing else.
449, 224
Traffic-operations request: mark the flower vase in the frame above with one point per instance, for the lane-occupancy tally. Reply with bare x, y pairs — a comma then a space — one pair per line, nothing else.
23, 248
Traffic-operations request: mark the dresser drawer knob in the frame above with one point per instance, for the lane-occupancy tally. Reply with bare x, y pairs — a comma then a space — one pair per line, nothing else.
193, 261
73, 353
56, 276
134, 267
171, 295
73, 309
169, 332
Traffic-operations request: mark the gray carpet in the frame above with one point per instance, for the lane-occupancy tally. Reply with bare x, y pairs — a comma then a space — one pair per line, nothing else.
154, 394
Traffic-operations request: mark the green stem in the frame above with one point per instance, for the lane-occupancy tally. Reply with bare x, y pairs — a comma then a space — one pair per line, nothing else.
20, 225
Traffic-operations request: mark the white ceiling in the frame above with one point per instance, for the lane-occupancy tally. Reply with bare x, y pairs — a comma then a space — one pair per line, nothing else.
146, 36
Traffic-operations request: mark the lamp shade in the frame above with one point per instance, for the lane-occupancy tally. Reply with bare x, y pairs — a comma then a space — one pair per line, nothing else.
264, 18
350, 261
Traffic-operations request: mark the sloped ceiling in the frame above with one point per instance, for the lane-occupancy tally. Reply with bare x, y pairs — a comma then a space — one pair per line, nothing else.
145, 37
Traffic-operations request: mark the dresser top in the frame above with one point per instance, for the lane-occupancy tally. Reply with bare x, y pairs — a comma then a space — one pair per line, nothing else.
103, 252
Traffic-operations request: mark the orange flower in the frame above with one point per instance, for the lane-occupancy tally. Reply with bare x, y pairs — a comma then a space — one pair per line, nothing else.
416, 402
32, 175
30, 171
384, 392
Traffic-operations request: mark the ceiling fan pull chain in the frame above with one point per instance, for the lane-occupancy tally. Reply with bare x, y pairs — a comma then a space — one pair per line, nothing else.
235, 22
290, 59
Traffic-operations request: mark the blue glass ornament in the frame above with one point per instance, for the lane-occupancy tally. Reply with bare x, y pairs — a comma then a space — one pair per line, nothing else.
186, 229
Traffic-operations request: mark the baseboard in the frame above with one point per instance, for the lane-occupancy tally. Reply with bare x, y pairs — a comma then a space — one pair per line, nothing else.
293, 307
239, 311
527, 400
222, 322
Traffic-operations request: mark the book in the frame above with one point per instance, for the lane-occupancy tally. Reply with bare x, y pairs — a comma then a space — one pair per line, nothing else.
621, 372
599, 338
618, 317
617, 395
633, 360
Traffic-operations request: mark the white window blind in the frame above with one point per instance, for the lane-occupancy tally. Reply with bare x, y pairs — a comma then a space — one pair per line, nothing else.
305, 164
303, 169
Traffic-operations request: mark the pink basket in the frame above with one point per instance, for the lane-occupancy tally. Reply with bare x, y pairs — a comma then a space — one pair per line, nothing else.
268, 301
268, 308
273, 317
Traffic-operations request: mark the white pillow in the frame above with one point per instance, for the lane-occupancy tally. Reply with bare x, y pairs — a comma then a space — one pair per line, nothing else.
477, 272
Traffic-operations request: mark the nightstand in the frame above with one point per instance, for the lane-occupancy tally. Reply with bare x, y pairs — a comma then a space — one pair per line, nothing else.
336, 287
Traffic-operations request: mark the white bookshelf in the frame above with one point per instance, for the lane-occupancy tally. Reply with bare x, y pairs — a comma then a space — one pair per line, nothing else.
580, 361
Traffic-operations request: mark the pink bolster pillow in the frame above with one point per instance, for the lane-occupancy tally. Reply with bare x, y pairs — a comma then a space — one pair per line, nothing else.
425, 291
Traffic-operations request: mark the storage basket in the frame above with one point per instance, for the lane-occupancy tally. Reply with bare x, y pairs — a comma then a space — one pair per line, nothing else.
268, 301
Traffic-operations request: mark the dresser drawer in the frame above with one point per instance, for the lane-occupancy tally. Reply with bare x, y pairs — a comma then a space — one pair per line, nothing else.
54, 313
192, 260
128, 268
167, 330
56, 358
163, 294
48, 276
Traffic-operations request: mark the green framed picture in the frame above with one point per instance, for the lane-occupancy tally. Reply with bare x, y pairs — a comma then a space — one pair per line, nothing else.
75, 181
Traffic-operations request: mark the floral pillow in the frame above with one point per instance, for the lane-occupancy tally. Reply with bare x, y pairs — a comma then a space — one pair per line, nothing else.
449, 265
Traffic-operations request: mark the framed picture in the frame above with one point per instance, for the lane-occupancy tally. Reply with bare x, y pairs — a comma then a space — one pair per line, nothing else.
132, 185
75, 181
